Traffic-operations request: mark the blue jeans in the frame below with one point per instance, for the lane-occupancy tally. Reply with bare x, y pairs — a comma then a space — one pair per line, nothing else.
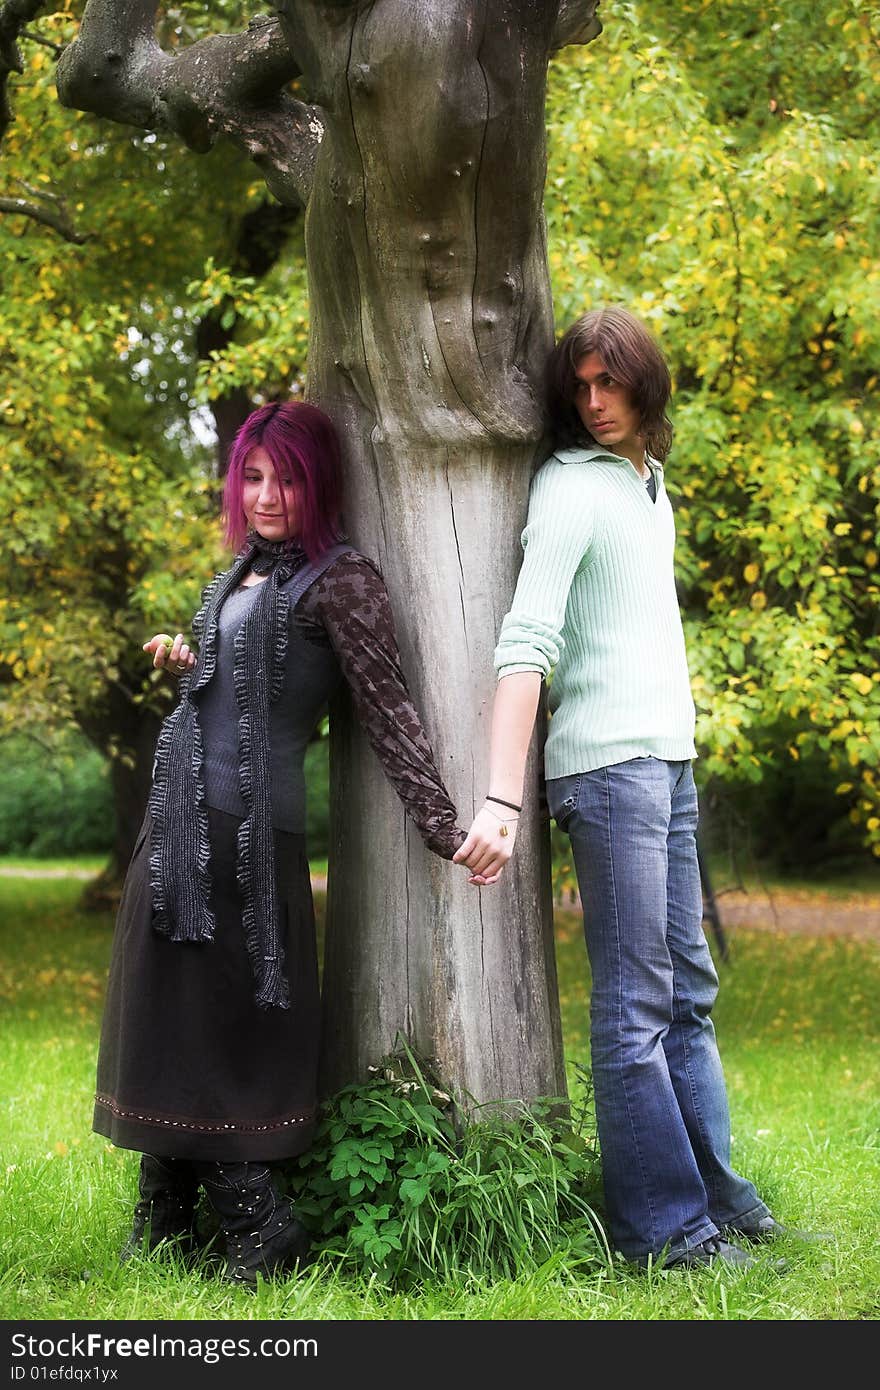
661, 1100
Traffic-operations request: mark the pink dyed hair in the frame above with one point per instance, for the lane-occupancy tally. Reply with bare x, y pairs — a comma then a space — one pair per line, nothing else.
301, 442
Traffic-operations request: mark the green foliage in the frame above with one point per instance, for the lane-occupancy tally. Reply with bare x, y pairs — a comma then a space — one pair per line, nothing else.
713, 168
268, 354
391, 1188
317, 775
55, 798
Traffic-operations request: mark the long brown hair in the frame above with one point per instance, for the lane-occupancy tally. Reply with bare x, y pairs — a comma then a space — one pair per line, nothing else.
631, 355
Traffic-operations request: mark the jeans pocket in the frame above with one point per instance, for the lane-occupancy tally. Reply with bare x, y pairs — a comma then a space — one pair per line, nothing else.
562, 797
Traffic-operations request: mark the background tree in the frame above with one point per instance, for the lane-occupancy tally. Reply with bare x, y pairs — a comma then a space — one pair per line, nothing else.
108, 490
714, 167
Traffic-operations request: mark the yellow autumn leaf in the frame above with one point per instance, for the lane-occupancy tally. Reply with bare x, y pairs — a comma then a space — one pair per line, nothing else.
863, 684
842, 730
751, 572
758, 600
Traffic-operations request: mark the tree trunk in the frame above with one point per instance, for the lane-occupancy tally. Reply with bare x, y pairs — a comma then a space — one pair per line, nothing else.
132, 729
431, 316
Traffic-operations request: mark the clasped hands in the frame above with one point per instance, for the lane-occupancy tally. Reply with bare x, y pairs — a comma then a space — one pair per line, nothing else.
489, 842
488, 845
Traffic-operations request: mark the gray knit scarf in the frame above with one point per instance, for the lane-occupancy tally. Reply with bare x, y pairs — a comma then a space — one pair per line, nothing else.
179, 844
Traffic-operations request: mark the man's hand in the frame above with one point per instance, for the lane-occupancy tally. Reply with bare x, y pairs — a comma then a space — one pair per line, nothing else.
488, 846
171, 654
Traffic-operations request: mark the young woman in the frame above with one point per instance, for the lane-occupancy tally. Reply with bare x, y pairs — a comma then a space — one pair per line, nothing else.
209, 1046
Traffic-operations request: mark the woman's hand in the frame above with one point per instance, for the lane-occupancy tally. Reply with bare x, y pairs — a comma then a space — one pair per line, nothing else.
171, 654
488, 846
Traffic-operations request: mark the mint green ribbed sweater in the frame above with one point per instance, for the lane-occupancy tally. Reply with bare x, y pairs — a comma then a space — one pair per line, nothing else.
595, 606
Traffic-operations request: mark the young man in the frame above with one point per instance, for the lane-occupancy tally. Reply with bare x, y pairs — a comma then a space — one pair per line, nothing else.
595, 607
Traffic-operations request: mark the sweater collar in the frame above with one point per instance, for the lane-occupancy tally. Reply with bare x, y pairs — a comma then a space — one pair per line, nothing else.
265, 555
589, 453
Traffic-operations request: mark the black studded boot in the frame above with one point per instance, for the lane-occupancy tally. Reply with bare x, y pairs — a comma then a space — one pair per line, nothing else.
262, 1233
166, 1211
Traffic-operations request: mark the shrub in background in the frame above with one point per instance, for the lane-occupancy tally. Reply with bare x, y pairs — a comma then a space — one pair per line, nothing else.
55, 797
792, 823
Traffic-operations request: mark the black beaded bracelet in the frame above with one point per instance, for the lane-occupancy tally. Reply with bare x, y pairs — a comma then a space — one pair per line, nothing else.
509, 804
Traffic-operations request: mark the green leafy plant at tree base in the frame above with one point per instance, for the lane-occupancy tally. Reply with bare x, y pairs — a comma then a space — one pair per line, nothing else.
395, 1186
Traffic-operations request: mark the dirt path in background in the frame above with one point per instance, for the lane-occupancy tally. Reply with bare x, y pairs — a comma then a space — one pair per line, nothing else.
797, 910
807, 913
20, 871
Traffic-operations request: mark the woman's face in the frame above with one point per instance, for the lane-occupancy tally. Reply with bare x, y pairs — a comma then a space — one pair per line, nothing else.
264, 498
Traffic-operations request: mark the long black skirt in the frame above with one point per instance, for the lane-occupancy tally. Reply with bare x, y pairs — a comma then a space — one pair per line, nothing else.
189, 1066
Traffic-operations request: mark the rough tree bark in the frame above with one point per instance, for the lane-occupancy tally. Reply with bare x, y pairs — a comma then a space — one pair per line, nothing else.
420, 163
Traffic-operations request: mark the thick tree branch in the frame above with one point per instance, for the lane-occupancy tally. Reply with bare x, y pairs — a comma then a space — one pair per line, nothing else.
576, 22
41, 206
226, 85
33, 37
48, 209
14, 15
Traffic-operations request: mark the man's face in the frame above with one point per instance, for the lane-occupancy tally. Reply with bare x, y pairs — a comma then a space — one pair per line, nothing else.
605, 407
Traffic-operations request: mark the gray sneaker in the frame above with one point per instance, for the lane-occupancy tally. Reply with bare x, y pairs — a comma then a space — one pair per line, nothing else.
768, 1228
713, 1251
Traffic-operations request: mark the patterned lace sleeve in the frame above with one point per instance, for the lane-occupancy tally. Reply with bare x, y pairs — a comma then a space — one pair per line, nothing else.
351, 603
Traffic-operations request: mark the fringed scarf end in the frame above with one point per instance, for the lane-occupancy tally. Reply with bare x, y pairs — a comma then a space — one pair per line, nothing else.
273, 991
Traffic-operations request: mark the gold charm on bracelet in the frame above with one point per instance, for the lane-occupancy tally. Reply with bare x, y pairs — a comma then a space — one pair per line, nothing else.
503, 830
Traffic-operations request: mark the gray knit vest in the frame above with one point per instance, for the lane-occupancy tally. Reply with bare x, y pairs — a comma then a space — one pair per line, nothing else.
179, 844
311, 673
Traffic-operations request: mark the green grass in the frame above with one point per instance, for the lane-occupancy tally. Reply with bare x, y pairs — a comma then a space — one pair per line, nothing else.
74, 864
862, 880
798, 1026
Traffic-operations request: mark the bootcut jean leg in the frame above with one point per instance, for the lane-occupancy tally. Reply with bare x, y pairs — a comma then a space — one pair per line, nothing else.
661, 1102
690, 1045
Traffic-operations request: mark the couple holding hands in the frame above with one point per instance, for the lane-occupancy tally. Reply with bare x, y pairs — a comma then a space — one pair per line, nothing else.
209, 1047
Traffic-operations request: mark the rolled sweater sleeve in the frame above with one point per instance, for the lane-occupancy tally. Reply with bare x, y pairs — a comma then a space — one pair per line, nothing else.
556, 541
351, 603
